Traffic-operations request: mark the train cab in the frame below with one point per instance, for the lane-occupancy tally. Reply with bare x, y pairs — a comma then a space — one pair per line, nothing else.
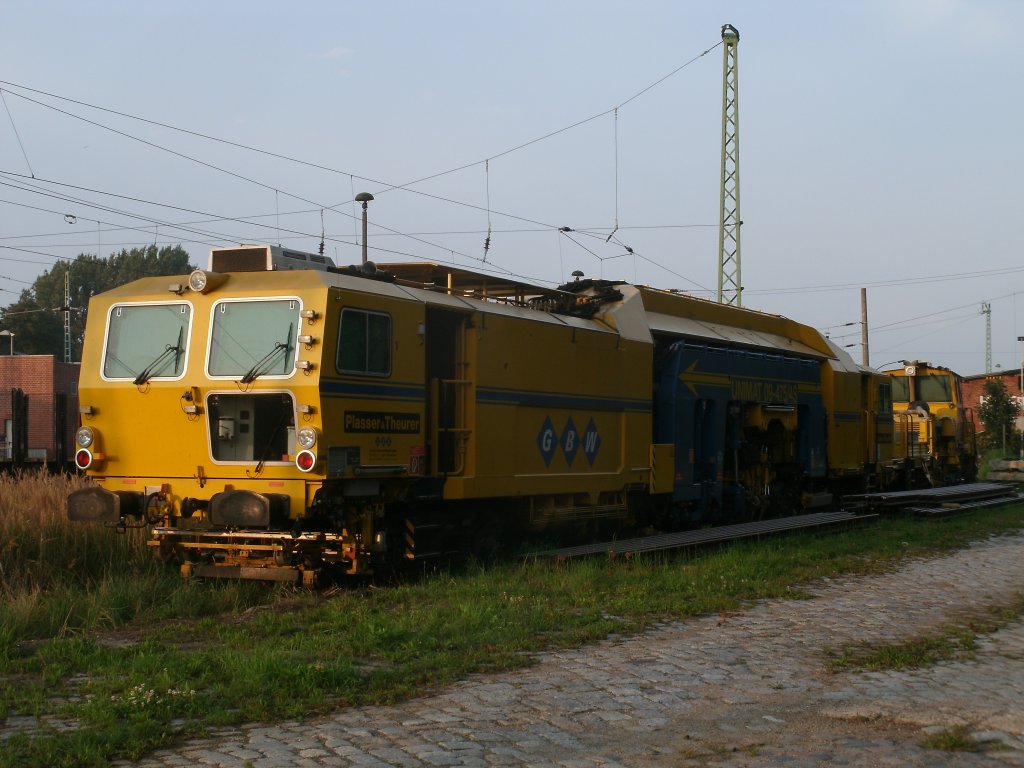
933, 430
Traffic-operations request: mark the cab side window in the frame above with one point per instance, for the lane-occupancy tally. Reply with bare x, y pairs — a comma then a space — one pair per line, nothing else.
884, 397
364, 343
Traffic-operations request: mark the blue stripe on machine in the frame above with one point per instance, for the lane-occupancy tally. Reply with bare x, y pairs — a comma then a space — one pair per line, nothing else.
489, 395
389, 391
496, 396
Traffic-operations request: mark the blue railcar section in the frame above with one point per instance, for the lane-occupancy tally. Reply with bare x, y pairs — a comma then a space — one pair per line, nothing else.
705, 395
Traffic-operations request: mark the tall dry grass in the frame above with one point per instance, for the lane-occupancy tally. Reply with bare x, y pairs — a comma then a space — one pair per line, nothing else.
41, 550
58, 577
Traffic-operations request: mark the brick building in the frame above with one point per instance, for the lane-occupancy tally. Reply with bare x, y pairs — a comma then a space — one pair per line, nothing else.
52, 408
974, 387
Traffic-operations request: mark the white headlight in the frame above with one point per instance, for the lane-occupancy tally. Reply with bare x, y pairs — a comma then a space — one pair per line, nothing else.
84, 436
197, 281
306, 437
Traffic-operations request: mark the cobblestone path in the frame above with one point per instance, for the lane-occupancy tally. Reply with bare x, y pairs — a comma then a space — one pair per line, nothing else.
743, 689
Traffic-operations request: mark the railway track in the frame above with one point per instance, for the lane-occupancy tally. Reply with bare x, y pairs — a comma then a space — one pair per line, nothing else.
934, 502
860, 509
705, 536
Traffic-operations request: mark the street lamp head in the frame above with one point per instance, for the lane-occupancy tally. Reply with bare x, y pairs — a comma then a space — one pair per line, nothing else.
364, 197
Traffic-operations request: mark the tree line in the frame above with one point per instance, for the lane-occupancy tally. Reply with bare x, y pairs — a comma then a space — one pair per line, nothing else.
37, 318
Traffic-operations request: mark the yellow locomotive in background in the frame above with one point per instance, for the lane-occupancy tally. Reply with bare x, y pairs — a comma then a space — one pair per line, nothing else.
933, 432
274, 414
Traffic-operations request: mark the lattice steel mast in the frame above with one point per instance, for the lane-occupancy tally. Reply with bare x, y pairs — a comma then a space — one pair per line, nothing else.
730, 288
986, 310
67, 314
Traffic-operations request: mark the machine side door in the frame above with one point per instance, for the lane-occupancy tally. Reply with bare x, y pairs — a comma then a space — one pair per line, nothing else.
448, 391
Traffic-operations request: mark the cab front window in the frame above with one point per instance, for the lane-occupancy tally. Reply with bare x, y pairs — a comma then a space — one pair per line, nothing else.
935, 388
253, 338
146, 341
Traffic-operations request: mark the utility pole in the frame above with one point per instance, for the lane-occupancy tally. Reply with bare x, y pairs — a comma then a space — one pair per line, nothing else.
864, 325
986, 310
730, 287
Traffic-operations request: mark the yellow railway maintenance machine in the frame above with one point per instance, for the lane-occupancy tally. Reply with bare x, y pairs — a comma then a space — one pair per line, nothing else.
273, 414
933, 433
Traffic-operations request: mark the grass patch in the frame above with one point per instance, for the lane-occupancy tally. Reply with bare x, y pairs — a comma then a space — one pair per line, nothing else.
955, 739
910, 654
954, 642
117, 661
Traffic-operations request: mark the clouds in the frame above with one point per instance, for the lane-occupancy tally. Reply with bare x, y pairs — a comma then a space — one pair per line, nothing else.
338, 54
970, 24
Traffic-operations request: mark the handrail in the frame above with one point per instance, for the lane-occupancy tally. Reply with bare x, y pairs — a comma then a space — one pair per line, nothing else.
439, 402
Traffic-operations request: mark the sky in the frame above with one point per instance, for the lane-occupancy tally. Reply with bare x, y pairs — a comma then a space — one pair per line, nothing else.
880, 146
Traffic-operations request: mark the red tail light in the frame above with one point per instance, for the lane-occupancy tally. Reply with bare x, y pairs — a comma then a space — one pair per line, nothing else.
305, 461
83, 459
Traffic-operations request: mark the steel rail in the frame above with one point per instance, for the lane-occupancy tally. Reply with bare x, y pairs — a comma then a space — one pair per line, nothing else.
682, 539
966, 492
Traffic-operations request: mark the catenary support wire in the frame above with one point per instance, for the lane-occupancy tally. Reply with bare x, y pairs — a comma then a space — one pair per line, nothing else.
16, 134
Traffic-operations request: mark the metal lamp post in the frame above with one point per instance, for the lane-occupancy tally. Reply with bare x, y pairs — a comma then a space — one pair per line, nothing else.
364, 198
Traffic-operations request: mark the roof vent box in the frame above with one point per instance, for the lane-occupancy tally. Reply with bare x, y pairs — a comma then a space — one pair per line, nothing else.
264, 258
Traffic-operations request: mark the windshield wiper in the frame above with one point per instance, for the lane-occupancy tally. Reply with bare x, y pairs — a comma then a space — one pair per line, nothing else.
150, 370
261, 367
257, 370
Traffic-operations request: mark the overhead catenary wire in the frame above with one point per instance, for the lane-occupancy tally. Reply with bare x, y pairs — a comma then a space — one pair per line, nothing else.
616, 132
333, 208
780, 291
405, 186
223, 218
894, 327
189, 157
97, 206
160, 147
16, 280
942, 325
16, 134
559, 131
509, 272
329, 169
228, 238
592, 231
216, 238
223, 237
940, 312
913, 280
